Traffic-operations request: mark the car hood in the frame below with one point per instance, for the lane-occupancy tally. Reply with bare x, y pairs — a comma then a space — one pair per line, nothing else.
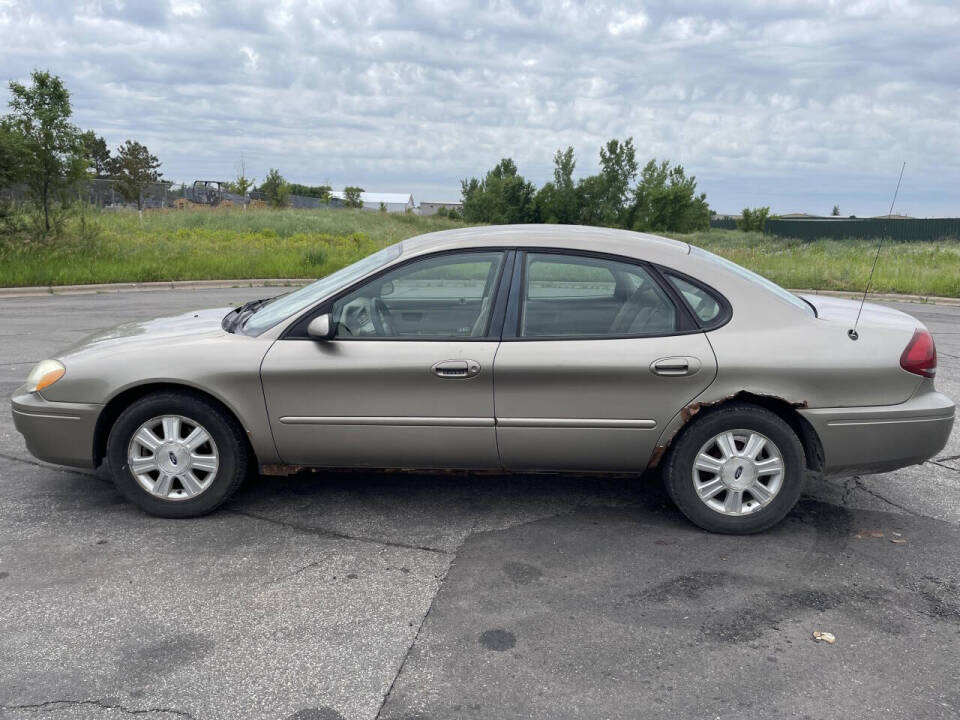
193, 326
841, 310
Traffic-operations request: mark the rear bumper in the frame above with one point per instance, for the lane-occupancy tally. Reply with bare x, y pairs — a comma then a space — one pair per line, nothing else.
57, 432
885, 437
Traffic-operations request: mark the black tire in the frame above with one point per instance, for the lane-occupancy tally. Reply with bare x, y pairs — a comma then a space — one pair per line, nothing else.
678, 469
234, 453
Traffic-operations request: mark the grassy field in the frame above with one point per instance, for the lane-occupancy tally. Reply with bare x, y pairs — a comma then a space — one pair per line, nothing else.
231, 244
922, 268
200, 244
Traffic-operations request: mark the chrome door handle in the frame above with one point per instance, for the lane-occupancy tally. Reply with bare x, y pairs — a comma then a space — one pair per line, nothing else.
456, 368
675, 366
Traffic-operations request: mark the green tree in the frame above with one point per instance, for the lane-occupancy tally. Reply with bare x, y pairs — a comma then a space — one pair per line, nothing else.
602, 199
753, 220
52, 159
241, 185
134, 170
96, 153
275, 188
618, 168
502, 197
836, 211
316, 191
351, 196
591, 196
665, 199
557, 201
11, 173
12, 153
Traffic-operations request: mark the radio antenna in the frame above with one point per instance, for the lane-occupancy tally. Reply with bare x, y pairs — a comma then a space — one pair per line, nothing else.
852, 332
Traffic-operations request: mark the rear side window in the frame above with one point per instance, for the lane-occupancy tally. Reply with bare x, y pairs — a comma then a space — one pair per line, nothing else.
570, 296
704, 305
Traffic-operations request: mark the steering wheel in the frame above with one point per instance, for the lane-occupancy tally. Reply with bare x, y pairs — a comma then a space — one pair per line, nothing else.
382, 318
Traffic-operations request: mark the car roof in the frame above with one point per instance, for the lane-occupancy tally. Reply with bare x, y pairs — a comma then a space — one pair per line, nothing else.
574, 237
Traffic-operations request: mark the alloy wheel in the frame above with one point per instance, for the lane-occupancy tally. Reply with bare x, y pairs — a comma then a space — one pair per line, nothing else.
738, 472
173, 457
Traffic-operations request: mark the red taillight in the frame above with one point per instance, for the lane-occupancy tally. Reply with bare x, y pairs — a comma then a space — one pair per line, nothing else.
920, 356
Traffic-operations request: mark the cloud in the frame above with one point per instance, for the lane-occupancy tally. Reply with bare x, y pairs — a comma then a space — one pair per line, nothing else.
798, 104
627, 23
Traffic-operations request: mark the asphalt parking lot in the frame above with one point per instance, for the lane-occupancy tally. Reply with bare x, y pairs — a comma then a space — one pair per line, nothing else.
379, 595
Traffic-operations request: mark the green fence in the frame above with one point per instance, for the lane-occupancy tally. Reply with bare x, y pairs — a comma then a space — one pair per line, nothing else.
842, 229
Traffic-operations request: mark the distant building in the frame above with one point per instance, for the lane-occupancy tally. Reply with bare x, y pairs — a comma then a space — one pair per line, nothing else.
393, 202
432, 208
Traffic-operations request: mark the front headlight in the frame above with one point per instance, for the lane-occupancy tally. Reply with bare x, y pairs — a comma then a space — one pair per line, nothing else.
44, 374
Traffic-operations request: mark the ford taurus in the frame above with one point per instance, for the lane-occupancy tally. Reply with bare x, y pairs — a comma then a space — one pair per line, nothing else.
516, 348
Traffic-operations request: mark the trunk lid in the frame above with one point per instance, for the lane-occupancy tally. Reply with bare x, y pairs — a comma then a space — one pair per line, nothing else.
844, 311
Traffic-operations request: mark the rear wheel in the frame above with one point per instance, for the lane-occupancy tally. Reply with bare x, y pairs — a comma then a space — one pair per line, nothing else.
738, 470
177, 455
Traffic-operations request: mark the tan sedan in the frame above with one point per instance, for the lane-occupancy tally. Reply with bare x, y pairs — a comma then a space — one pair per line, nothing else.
519, 348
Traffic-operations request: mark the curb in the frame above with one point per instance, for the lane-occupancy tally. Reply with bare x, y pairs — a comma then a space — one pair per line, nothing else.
93, 289
42, 290
884, 297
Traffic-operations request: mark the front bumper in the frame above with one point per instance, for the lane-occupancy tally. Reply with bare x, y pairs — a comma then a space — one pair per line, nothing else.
885, 437
57, 432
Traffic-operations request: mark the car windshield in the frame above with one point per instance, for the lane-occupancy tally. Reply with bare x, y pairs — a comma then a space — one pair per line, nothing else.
753, 277
292, 303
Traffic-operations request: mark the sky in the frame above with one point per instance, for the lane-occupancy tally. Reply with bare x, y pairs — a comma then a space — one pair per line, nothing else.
798, 105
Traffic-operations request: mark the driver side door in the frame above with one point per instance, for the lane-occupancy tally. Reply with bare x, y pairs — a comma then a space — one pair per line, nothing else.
407, 379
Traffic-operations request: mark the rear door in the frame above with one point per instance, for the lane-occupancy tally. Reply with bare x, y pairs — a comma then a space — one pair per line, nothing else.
598, 354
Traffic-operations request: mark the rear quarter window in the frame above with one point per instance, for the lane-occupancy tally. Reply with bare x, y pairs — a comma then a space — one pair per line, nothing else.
704, 304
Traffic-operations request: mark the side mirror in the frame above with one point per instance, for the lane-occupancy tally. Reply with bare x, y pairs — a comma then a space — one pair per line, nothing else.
321, 327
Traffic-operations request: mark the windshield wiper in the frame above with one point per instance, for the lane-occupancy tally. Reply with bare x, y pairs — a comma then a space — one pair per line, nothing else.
239, 315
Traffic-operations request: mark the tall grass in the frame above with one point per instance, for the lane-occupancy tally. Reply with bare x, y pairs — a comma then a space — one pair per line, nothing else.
203, 244
233, 244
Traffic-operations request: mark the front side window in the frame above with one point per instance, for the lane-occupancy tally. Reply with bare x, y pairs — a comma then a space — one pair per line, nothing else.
574, 296
447, 296
292, 303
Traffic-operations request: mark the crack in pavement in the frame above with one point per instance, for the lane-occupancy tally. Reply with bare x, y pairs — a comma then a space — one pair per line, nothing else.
50, 705
849, 484
45, 466
325, 532
861, 486
941, 465
423, 620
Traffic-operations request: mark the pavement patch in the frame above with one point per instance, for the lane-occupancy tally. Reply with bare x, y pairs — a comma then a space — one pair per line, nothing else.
620, 625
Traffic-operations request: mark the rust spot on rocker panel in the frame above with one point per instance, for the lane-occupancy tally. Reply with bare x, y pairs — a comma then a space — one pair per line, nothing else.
657, 456
280, 470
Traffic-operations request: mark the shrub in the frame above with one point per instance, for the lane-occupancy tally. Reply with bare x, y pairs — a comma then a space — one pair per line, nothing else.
753, 220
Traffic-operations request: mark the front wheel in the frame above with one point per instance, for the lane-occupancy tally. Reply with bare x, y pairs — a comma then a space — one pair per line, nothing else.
736, 470
176, 455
